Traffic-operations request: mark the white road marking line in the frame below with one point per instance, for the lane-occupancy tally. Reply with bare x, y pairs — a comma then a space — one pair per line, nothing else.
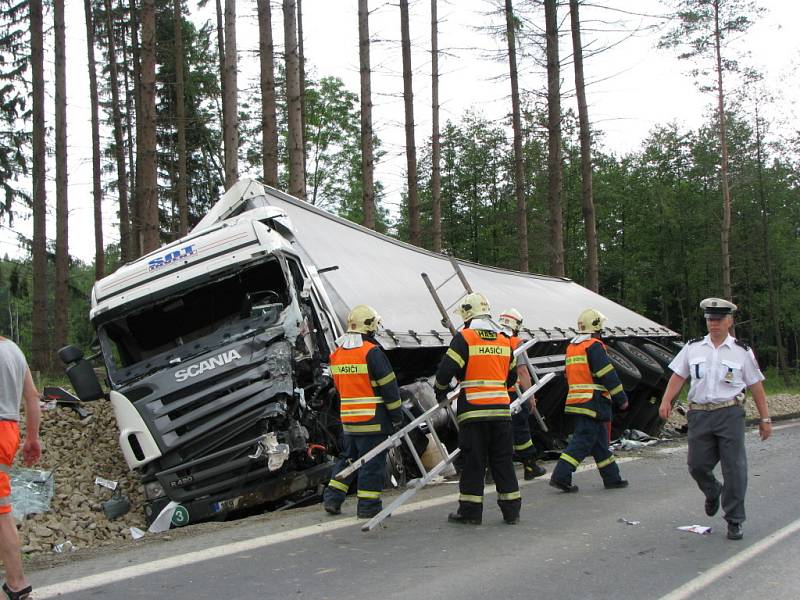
697, 584
91, 581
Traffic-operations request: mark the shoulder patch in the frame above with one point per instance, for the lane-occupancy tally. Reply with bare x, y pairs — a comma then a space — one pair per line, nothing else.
742, 344
695, 340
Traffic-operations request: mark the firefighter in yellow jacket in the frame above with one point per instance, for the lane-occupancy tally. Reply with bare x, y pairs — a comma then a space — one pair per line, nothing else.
593, 386
370, 410
481, 359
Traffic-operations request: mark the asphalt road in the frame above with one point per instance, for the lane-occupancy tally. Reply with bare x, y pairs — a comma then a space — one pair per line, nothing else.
566, 545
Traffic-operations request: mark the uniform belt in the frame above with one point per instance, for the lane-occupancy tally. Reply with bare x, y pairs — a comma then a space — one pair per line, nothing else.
714, 405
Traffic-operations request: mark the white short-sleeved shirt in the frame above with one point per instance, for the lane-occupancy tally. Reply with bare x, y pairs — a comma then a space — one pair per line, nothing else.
717, 374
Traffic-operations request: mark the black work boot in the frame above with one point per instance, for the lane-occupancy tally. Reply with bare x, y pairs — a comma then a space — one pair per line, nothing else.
463, 519
332, 508
567, 488
532, 469
615, 485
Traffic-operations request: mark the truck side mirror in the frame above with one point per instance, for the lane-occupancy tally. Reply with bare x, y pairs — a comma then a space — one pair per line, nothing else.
81, 374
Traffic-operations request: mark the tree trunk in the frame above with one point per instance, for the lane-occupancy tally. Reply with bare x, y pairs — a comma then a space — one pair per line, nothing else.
39, 343
180, 124
436, 148
773, 310
222, 84
269, 118
230, 105
294, 117
148, 192
367, 156
519, 167
554, 141
138, 204
119, 150
589, 223
97, 190
411, 146
61, 308
727, 287
301, 67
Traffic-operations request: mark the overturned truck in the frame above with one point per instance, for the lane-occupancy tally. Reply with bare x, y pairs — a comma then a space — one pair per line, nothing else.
216, 347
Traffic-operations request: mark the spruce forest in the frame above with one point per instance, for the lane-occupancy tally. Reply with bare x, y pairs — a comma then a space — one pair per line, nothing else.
693, 212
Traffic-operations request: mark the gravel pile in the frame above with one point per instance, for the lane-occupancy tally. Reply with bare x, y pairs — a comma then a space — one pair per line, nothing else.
79, 452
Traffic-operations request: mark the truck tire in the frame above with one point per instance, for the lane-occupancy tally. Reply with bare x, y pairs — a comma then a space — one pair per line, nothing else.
651, 370
662, 356
628, 373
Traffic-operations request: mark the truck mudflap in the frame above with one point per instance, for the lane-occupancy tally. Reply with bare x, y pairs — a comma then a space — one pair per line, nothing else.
257, 494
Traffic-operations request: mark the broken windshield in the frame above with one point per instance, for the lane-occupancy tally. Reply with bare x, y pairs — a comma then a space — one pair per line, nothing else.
190, 321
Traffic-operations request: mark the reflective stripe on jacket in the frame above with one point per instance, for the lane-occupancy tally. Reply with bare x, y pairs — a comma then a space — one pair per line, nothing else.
359, 401
585, 396
484, 387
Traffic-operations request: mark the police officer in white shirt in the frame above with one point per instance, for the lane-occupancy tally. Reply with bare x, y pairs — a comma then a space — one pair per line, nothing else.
720, 367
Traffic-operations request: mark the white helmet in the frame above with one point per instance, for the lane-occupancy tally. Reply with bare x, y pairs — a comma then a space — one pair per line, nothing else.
511, 319
474, 305
363, 319
591, 320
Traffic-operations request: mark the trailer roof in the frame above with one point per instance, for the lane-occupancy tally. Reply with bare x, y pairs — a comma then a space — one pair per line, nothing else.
385, 273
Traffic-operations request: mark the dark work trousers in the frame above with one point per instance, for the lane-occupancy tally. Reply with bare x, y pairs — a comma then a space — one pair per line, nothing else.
370, 476
523, 444
590, 437
489, 443
717, 436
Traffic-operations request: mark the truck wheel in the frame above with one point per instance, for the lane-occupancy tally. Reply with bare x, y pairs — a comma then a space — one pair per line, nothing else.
662, 357
647, 365
628, 372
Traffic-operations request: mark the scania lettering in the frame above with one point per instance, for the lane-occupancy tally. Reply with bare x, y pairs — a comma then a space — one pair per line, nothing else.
206, 365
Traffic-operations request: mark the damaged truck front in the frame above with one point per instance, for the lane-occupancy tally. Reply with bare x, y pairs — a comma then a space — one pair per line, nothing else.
214, 349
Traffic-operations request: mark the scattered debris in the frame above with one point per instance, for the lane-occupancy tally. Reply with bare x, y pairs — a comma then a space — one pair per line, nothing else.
31, 491
701, 529
64, 547
633, 439
136, 533
117, 506
112, 485
162, 522
627, 522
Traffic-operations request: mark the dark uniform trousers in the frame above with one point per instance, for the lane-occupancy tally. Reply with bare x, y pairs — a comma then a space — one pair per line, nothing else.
523, 444
590, 437
717, 436
482, 442
371, 476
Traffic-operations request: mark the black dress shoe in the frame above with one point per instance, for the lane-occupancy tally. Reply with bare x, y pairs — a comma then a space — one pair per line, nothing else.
735, 531
712, 506
533, 470
567, 488
464, 520
616, 485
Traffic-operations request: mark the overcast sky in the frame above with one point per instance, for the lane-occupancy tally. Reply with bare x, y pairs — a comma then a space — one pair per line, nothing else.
634, 86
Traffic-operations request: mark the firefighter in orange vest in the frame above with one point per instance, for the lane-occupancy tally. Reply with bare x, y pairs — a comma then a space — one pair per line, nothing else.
370, 410
593, 387
481, 359
524, 450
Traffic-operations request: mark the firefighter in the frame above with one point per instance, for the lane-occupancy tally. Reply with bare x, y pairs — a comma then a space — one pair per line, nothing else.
370, 410
481, 359
593, 387
524, 450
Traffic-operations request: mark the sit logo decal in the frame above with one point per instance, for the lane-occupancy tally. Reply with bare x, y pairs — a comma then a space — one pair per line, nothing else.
171, 257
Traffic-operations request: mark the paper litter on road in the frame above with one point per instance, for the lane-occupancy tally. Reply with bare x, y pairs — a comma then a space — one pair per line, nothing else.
627, 522
136, 533
107, 483
701, 529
